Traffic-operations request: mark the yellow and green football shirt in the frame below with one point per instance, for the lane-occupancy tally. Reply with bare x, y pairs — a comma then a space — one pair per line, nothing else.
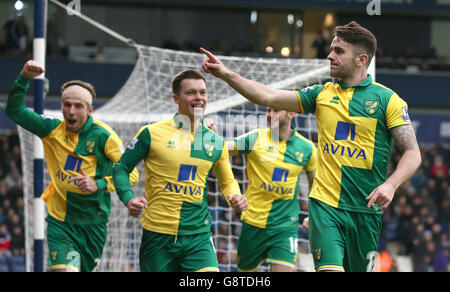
354, 141
177, 164
94, 149
273, 169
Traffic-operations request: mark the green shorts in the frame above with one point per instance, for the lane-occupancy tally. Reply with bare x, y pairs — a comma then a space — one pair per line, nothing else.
182, 253
275, 246
342, 240
74, 247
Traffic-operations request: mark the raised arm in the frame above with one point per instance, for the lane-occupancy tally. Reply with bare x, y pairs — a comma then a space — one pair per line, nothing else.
254, 91
15, 105
405, 140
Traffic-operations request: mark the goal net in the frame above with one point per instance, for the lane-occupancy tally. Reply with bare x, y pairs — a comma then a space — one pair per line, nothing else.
146, 98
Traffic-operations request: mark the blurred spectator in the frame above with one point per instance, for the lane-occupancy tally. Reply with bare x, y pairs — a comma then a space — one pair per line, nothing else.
321, 45
17, 36
18, 239
441, 260
56, 46
17, 261
4, 261
385, 263
3, 191
5, 238
438, 169
222, 257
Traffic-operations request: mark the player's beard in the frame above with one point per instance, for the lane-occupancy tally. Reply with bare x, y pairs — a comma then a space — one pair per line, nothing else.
341, 73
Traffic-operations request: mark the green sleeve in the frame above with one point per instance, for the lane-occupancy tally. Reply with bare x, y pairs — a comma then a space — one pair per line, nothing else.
307, 98
244, 144
138, 149
27, 119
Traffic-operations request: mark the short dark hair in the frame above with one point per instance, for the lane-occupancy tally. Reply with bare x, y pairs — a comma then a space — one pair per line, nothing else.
186, 74
359, 36
86, 85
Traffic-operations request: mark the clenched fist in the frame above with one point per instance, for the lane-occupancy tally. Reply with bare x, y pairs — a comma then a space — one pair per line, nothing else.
238, 203
32, 69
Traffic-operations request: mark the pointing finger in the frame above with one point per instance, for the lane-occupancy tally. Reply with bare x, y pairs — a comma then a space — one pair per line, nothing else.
373, 198
75, 178
207, 53
82, 172
370, 195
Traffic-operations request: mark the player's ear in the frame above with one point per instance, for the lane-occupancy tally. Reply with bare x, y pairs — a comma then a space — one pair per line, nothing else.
175, 98
362, 59
91, 110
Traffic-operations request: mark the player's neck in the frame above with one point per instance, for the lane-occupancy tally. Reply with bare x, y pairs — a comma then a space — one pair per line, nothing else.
356, 78
192, 123
197, 123
284, 132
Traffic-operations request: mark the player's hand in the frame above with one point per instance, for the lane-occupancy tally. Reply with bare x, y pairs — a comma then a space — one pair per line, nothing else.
305, 223
136, 206
238, 203
209, 123
85, 183
381, 196
213, 65
32, 69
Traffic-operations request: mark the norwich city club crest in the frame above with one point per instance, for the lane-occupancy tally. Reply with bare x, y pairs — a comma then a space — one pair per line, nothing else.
90, 146
299, 156
209, 149
53, 255
371, 106
318, 254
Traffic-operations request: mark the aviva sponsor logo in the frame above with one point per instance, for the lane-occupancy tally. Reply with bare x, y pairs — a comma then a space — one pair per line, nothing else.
72, 164
185, 173
345, 132
279, 175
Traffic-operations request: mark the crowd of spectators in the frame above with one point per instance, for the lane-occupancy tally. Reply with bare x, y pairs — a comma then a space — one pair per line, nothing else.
417, 222
12, 237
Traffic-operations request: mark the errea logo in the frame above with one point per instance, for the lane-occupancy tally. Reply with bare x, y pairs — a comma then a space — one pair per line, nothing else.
335, 100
